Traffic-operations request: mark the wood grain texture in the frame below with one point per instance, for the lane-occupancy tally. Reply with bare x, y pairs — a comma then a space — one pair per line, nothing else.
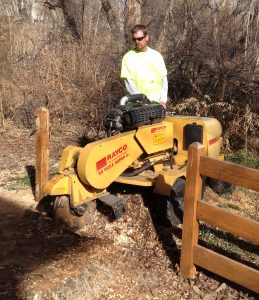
42, 151
225, 220
190, 223
232, 173
227, 268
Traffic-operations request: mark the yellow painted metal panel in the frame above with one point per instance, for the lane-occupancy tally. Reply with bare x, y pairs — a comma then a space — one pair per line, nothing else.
69, 156
57, 185
83, 193
137, 180
212, 131
156, 137
167, 178
101, 162
69, 184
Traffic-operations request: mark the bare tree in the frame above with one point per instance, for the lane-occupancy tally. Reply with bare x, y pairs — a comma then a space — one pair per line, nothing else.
73, 12
132, 17
210, 46
117, 30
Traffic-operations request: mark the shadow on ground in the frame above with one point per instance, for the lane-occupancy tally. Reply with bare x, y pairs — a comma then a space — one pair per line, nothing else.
27, 241
31, 172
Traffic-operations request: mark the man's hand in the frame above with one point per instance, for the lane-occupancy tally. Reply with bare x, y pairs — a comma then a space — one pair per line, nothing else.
163, 104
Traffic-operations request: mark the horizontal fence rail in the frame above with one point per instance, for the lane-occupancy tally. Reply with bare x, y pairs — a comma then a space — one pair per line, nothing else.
226, 268
223, 170
195, 209
225, 220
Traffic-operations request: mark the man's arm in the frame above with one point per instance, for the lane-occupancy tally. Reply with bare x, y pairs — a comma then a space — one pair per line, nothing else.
164, 92
130, 86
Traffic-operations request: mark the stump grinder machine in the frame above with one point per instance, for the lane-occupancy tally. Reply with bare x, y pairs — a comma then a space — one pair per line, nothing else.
144, 147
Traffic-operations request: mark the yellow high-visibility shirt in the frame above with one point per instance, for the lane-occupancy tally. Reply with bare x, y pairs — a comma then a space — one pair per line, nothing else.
147, 70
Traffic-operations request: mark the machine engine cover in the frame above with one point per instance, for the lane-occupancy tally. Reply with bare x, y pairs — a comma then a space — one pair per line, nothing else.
113, 120
143, 115
125, 118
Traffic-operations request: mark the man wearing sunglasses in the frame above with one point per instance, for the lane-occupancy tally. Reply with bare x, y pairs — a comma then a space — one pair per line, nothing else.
143, 69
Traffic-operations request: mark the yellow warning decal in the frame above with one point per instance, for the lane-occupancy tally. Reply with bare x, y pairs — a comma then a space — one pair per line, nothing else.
159, 138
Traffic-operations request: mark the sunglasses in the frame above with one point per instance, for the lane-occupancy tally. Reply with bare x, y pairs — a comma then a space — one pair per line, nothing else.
138, 39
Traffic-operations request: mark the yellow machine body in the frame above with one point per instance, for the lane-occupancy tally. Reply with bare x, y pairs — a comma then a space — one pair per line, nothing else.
156, 138
212, 132
67, 182
85, 173
103, 161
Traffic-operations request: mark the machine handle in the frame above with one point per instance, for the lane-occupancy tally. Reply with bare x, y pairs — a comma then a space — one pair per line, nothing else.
135, 99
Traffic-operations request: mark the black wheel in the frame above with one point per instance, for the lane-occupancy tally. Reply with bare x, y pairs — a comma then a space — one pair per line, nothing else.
175, 202
158, 209
72, 219
220, 187
46, 206
170, 209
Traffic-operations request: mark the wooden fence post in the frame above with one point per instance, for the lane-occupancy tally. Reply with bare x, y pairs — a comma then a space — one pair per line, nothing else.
190, 224
42, 151
1, 112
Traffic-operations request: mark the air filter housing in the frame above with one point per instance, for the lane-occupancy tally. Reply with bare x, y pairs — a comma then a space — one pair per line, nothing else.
123, 119
142, 115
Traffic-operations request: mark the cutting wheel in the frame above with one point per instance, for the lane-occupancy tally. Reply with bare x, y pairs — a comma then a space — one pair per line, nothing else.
64, 215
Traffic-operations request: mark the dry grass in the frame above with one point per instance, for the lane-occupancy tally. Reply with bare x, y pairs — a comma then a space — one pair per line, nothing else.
41, 64
70, 78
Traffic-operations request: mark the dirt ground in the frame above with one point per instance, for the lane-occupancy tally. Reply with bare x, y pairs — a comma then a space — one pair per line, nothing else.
129, 258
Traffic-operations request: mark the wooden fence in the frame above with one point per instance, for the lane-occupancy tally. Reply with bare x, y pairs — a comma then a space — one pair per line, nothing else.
42, 151
195, 209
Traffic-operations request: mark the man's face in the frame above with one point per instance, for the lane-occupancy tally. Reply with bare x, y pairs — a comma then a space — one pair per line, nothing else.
140, 40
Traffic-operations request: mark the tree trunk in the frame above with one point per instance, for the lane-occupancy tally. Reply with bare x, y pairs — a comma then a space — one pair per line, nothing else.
132, 17
74, 16
1, 115
113, 21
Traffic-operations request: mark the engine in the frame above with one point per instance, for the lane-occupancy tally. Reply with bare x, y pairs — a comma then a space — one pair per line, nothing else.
134, 111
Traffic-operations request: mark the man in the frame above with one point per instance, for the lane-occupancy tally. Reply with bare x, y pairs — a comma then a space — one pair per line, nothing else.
143, 69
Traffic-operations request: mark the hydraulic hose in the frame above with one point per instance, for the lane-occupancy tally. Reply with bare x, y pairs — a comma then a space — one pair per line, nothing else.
140, 170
